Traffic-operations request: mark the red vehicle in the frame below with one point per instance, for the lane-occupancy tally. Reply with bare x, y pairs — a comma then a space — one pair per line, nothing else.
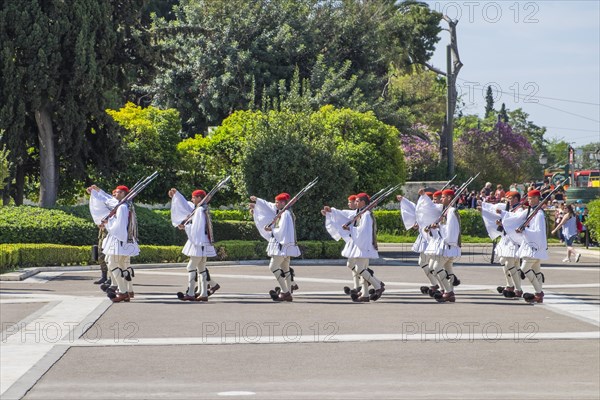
587, 178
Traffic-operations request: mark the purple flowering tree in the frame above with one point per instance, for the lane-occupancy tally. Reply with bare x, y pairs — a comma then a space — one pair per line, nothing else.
501, 155
421, 153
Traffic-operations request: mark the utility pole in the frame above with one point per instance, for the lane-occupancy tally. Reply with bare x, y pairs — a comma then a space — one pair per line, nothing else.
450, 107
453, 66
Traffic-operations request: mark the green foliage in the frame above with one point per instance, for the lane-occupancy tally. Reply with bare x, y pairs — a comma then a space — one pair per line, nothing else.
268, 153
149, 144
27, 224
67, 61
231, 215
471, 223
74, 226
240, 250
213, 66
390, 222
593, 220
37, 255
283, 156
371, 147
159, 254
4, 172
420, 96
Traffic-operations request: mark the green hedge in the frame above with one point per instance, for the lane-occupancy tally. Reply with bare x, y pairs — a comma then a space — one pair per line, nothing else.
74, 226
390, 222
593, 220
37, 255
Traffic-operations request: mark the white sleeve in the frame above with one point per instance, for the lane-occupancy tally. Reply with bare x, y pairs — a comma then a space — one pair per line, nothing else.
101, 203
489, 215
408, 209
334, 221
426, 211
180, 209
264, 213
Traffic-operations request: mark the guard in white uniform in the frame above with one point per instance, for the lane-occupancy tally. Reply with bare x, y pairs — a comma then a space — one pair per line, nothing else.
282, 241
120, 243
534, 249
444, 248
409, 218
505, 249
199, 245
334, 220
364, 247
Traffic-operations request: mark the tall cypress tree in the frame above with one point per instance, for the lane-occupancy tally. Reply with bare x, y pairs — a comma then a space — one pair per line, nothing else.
489, 102
63, 64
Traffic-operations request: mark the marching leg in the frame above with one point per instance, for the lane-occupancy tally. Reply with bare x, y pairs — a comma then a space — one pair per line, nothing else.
202, 279
275, 267
531, 269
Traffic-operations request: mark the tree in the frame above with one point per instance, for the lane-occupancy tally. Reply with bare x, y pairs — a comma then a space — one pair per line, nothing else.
64, 63
489, 101
420, 96
370, 148
228, 55
280, 160
587, 150
500, 154
4, 173
421, 154
149, 144
503, 115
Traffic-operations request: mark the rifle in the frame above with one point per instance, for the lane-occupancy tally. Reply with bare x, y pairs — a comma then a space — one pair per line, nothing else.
137, 188
539, 206
454, 200
376, 195
206, 198
449, 182
372, 204
293, 201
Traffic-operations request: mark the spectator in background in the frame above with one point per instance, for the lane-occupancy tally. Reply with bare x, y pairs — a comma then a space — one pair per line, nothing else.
487, 189
472, 199
568, 223
558, 215
499, 193
559, 196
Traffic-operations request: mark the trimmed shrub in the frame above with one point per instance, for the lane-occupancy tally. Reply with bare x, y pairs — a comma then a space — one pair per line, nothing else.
235, 230
159, 254
37, 255
74, 226
26, 224
240, 250
311, 249
593, 220
471, 223
332, 249
231, 215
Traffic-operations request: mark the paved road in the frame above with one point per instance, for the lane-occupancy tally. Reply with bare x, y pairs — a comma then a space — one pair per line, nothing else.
61, 338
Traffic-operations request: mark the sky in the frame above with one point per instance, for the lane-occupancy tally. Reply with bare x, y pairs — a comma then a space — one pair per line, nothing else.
541, 56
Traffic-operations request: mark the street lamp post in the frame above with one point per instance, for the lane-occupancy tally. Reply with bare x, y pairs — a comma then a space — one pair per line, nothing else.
543, 160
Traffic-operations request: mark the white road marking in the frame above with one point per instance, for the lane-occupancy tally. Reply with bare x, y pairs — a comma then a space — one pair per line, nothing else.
42, 277
451, 336
236, 393
24, 345
572, 307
